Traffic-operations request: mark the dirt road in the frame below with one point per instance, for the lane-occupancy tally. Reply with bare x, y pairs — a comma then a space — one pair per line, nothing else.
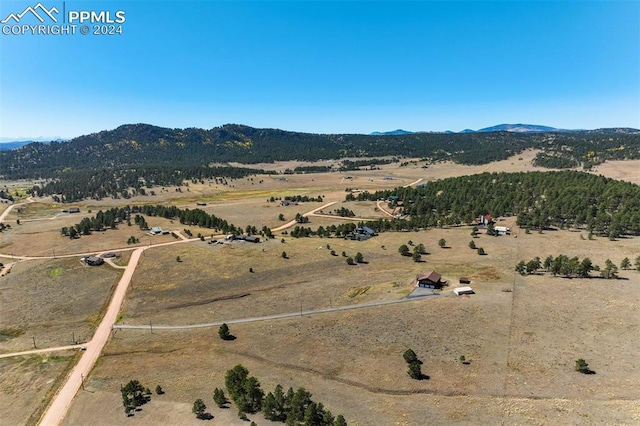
59, 406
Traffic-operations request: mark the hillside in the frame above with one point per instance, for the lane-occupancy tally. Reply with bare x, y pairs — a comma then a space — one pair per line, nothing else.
108, 163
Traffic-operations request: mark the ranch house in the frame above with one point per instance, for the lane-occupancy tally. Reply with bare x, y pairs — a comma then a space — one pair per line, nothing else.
431, 279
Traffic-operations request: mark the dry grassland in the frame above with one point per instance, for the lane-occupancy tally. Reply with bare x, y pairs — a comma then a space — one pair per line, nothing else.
520, 334
27, 383
521, 344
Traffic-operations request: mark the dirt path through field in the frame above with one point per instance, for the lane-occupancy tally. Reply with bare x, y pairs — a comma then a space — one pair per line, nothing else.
59, 406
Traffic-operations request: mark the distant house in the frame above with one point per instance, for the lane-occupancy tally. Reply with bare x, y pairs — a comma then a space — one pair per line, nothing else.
251, 239
93, 261
365, 230
74, 210
464, 280
286, 203
201, 204
484, 220
463, 290
431, 279
156, 230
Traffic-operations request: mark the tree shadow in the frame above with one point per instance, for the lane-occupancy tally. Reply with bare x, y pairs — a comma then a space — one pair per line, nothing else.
205, 416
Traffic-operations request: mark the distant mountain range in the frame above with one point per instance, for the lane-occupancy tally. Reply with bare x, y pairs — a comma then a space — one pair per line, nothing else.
393, 132
9, 145
520, 128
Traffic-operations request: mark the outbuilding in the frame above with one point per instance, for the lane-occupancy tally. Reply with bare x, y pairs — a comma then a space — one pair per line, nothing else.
463, 290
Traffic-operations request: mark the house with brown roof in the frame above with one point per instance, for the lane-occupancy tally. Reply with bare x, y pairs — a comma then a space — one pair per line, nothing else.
431, 279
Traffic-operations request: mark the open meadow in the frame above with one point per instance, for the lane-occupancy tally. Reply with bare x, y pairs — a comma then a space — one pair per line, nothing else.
520, 335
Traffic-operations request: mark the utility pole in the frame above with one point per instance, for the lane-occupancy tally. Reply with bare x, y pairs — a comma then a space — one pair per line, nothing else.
34, 343
151, 327
73, 337
82, 381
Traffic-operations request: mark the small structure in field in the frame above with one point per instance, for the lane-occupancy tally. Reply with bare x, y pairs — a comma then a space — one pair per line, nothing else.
464, 280
463, 290
502, 230
74, 210
431, 279
201, 204
93, 261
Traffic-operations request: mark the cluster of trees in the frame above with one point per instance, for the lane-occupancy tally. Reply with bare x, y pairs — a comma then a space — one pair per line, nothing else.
556, 160
418, 251
295, 407
303, 198
5, 195
541, 200
75, 184
571, 266
344, 212
414, 369
134, 394
341, 230
196, 217
370, 163
292, 407
301, 219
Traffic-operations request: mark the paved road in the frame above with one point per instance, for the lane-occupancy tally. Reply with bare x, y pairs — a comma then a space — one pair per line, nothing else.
58, 408
275, 316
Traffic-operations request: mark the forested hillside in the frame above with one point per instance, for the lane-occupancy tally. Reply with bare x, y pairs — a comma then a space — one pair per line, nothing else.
540, 200
134, 156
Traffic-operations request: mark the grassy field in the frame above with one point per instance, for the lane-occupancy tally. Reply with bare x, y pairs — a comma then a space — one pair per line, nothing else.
521, 335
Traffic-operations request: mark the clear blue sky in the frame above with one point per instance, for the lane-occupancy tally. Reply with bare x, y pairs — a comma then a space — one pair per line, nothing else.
327, 66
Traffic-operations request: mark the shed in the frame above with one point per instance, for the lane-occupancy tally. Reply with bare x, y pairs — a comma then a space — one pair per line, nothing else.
74, 210
431, 279
463, 290
464, 280
156, 230
251, 239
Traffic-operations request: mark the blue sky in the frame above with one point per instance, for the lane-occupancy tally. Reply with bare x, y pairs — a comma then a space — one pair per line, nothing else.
326, 66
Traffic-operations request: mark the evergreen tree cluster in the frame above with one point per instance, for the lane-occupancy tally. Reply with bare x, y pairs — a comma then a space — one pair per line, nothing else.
192, 217
134, 394
344, 212
540, 200
569, 267
74, 184
303, 198
292, 407
414, 365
